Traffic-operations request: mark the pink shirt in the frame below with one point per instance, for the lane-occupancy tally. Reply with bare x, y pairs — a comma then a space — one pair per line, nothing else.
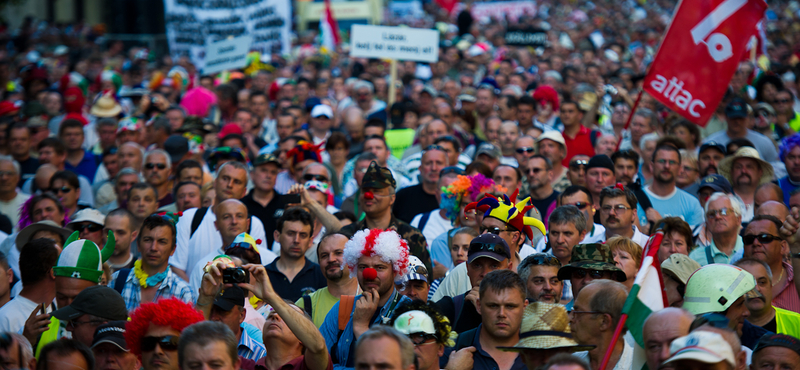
787, 298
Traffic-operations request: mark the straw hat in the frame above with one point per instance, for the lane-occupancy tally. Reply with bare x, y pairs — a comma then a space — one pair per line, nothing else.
106, 106
726, 165
546, 326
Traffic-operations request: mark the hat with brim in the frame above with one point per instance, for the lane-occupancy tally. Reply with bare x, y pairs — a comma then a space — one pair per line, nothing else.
726, 165
592, 256
230, 298
29, 231
112, 333
97, 300
377, 177
106, 106
546, 326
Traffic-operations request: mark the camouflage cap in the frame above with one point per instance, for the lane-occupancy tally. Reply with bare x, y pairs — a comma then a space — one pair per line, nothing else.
593, 256
378, 177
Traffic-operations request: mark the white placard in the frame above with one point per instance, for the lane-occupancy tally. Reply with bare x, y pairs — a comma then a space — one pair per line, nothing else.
227, 54
192, 25
401, 43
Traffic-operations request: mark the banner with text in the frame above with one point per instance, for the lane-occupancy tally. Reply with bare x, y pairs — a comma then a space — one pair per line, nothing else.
700, 53
486, 11
227, 54
193, 24
534, 37
401, 43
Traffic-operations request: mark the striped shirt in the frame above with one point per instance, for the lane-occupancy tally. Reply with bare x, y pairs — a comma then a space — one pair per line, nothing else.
249, 347
172, 286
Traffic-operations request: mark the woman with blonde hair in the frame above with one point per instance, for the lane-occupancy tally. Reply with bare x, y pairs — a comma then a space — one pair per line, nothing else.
627, 256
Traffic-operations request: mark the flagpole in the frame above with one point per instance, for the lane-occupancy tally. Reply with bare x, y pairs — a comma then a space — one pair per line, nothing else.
628, 122
617, 332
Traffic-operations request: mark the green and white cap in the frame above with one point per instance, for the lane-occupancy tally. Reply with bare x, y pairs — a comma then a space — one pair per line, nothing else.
83, 259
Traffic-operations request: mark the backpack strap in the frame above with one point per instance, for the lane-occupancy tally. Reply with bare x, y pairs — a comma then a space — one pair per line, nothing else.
346, 303
122, 277
465, 340
458, 302
423, 221
197, 219
307, 305
709, 257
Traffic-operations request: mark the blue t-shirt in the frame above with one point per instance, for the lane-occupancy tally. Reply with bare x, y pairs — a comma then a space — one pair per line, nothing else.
787, 187
678, 204
87, 166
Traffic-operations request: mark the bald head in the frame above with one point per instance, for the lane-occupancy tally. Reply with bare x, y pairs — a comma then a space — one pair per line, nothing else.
353, 122
43, 175
660, 329
773, 208
232, 219
767, 192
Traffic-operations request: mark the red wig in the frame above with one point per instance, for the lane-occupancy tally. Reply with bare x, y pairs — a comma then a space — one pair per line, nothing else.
166, 312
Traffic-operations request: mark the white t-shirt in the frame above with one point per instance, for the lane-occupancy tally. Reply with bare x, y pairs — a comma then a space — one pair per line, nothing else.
625, 361
206, 238
638, 237
196, 274
11, 208
14, 314
435, 226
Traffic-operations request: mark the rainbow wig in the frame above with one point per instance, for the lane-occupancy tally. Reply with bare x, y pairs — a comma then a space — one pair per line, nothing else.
465, 190
166, 312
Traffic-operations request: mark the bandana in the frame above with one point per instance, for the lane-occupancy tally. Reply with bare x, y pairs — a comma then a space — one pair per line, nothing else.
145, 280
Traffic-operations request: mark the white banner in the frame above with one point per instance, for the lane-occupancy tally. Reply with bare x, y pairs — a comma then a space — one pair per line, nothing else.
401, 43
193, 24
227, 54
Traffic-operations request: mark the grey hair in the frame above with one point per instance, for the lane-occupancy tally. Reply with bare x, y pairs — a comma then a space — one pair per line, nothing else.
236, 164
610, 298
553, 74
312, 165
13, 161
25, 347
107, 121
568, 214
159, 151
736, 203
524, 268
135, 145
754, 261
383, 331
649, 114
362, 84
205, 332
127, 171
653, 136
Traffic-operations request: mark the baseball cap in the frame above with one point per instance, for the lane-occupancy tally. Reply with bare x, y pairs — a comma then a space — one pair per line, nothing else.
321, 110
737, 108
468, 94
713, 145
716, 182
177, 146
88, 215
703, 346
97, 300
230, 297
488, 245
552, 135
680, 266
112, 332
416, 271
778, 340
600, 161
265, 158
229, 129
489, 149
378, 177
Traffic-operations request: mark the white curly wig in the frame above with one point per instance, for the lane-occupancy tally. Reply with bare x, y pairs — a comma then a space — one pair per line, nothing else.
384, 243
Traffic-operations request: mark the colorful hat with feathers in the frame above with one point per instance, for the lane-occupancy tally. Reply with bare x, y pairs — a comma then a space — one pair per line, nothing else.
82, 259
304, 151
464, 190
505, 209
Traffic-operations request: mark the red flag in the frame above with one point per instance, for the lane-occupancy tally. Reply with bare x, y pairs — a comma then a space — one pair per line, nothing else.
331, 23
700, 53
448, 5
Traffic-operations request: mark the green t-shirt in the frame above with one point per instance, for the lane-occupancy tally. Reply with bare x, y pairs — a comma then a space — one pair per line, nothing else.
321, 302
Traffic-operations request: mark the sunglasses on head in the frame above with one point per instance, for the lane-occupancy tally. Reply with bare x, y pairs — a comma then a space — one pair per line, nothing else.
418, 269
435, 147
487, 247
525, 149
451, 169
312, 177
151, 166
542, 259
167, 343
92, 228
712, 319
61, 190
763, 238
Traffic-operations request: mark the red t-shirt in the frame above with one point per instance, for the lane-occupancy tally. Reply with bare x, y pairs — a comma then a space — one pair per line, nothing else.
580, 144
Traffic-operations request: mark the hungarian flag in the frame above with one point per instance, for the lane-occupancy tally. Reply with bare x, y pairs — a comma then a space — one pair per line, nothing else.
328, 27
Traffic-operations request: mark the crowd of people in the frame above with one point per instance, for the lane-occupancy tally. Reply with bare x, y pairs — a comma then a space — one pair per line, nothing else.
491, 212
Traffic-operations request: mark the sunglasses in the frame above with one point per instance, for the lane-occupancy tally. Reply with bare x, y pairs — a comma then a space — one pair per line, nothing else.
451, 169
543, 259
536, 170
241, 245
92, 228
525, 149
420, 339
61, 190
594, 274
311, 177
493, 230
486, 247
714, 212
762, 238
419, 270
581, 205
578, 163
783, 101
167, 343
151, 166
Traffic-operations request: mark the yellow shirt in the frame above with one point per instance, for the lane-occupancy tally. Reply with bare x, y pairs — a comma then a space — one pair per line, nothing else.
787, 322
321, 302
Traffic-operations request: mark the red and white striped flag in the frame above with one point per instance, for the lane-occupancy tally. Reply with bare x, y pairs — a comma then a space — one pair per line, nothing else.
329, 28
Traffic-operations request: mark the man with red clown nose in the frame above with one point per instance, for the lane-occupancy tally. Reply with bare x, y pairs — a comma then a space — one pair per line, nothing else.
377, 258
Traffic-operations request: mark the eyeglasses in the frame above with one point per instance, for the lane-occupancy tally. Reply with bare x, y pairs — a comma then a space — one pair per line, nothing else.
72, 324
573, 313
151, 166
714, 212
312, 177
422, 339
543, 259
167, 343
579, 273
488, 247
664, 162
581, 205
712, 319
92, 228
63, 189
451, 169
578, 163
618, 208
525, 149
762, 238
783, 101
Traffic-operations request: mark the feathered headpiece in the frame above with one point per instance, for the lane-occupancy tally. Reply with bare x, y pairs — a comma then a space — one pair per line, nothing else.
465, 189
304, 151
376, 242
513, 214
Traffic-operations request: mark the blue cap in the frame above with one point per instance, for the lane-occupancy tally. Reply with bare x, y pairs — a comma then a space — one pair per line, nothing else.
737, 108
716, 182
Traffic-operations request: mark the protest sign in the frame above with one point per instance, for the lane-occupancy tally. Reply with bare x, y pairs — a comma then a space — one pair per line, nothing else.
399, 43
193, 24
700, 53
227, 54
486, 11
530, 36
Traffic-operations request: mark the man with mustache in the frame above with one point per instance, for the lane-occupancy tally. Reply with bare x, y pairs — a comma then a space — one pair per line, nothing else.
762, 312
330, 254
667, 199
618, 210
709, 156
746, 171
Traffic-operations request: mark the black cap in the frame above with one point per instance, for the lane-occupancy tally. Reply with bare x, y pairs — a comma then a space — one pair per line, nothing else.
716, 182
778, 340
230, 297
488, 245
266, 158
600, 161
177, 146
378, 177
713, 145
98, 300
112, 332
737, 108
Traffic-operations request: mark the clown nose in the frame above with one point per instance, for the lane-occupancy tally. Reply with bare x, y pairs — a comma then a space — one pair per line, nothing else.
369, 196
370, 273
